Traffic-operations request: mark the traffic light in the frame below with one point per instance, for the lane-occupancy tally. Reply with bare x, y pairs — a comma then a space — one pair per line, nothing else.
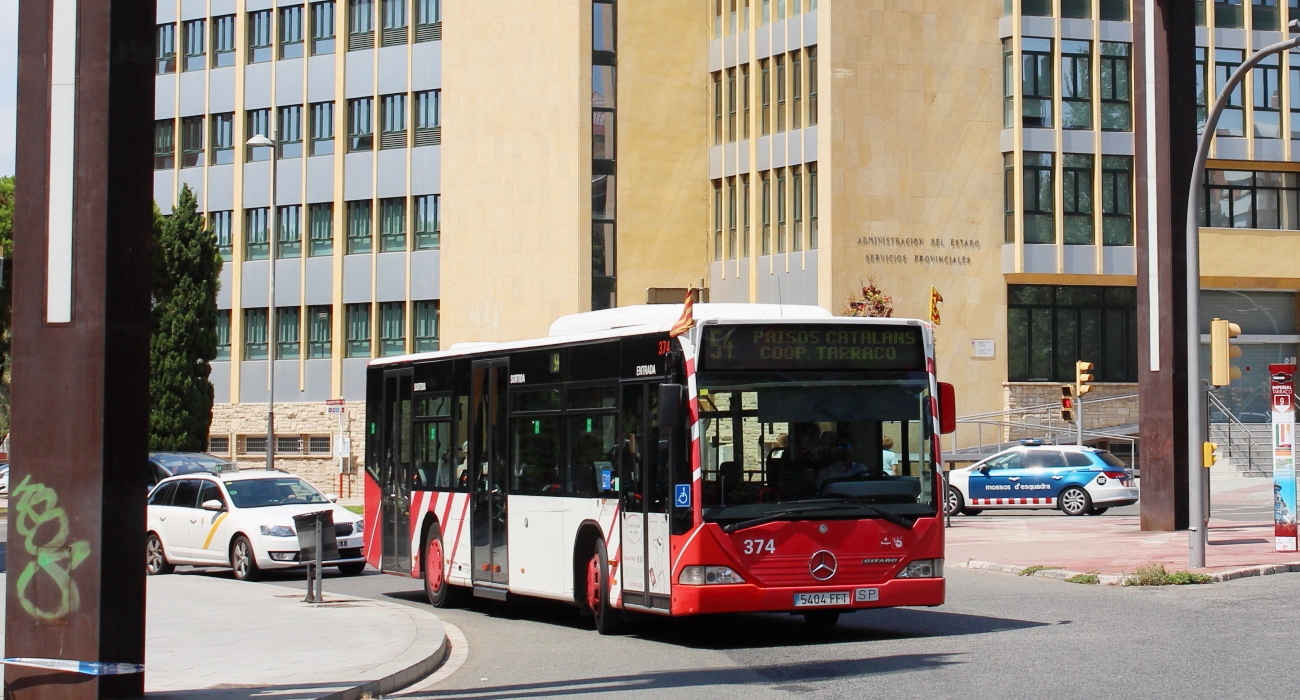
1207, 453
1082, 377
1221, 352
1067, 403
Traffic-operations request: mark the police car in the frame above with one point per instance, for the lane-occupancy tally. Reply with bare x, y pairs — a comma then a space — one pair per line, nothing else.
1075, 480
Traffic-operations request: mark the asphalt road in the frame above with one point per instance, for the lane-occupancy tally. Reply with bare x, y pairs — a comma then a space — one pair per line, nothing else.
998, 636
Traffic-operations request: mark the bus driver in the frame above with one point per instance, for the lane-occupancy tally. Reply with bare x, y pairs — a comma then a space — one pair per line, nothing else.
843, 467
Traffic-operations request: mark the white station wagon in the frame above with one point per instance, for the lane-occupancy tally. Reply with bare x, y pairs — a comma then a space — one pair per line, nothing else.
242, 520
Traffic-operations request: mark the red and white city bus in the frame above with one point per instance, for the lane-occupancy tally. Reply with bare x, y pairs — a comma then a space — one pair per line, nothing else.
772, 458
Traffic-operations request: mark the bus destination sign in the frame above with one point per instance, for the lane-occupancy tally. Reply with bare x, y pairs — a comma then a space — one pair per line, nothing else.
815, 347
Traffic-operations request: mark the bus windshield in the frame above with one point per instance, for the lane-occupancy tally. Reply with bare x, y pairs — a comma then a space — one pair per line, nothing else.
778, 445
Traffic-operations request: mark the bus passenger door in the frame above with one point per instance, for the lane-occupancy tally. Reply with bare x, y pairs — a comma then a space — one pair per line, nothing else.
395, 472
488, 447
645, 491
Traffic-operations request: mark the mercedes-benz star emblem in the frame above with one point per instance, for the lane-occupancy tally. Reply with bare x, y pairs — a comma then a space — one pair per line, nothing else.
822, 565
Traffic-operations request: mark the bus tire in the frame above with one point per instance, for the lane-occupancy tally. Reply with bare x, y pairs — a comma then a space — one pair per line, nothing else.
440, 593
609, 620
822, 618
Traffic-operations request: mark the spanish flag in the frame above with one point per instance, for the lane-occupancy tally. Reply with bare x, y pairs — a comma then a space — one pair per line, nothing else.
687, 320
935, 298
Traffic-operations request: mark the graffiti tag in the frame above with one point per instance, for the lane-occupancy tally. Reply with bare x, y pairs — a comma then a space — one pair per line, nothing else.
43, 525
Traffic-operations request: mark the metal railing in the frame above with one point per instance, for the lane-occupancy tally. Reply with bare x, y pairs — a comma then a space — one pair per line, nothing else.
1038, 420
1235, 422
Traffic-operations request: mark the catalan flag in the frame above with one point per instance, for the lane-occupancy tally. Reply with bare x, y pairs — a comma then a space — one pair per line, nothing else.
935, 298
687, 320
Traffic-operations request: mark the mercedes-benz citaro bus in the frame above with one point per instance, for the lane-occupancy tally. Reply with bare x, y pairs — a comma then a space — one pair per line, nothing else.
770, 459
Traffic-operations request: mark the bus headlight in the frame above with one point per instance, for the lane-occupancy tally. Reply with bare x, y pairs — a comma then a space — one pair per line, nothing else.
708, 575
923, 568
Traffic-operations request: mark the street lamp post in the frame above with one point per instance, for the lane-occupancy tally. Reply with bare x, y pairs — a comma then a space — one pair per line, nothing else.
272, 237
1198, 481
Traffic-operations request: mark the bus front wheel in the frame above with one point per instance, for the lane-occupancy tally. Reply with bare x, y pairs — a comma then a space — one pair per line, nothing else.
608, 618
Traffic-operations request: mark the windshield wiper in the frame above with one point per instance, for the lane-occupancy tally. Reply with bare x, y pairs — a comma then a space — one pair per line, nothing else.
882, 514
844, 504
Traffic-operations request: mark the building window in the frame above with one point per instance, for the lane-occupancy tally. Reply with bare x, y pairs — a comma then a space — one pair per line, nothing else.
361, 25
1294, 93
1009, 197
717, 108
218, 445
1116, 92
289, 220
744, 212
164, 144
252, 444
796, 200
731, 104
766, 248
322, 128
1117, 200
744, 101
1117, 10
290, 132
1038, 195
428, 20
780, 211
426, 326
731, 218
766, 17
220, 222
392, 224
812, 86
1202, 95
359, 233
259, 36
321, 218
765, 92
257, 244
603, 281
259, 124
1076, 84
394, 22
291, 31
812, 206
780, 93
602, 197
223, 333
717, 220
255, 347
1264, 15
358, 321
796, 90
392, 328
319, 445
392, 121
1232, 120
604, 191
1036, 82
1049, 328
1076, 9
223, 41
164, 51
602, 26
602, 133
426, 222
322, 28
717, 19
191, 142
1076, 205
428, 117
1036, 8
319, 332
288, 337
1008, 85
1245, 199
223, 138
360, 128
1267, 98
196, 44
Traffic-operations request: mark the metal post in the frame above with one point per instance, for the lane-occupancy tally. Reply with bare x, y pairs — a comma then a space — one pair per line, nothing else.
272, 331
1078, 417
320, 556
1198, 481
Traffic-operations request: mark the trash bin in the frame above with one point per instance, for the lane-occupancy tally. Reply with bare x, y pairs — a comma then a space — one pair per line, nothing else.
307, 525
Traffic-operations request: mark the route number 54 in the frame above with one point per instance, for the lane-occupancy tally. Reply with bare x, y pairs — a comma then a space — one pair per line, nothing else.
760, 546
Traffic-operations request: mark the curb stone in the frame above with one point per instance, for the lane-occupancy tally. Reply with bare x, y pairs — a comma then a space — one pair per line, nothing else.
1117, 579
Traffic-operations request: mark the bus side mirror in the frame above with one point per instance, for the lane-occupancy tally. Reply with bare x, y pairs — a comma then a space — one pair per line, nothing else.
947, 409
670, 404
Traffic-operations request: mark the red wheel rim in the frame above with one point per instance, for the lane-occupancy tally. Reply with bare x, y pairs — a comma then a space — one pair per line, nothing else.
433, 566
593, 583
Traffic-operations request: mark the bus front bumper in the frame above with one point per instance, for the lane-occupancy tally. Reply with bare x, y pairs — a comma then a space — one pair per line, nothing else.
744, 597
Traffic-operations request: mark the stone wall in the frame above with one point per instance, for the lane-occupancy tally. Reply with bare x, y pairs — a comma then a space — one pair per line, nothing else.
238, 422
1096, 415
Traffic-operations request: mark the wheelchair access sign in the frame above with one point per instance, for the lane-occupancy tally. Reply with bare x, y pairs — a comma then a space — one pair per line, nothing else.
682, 496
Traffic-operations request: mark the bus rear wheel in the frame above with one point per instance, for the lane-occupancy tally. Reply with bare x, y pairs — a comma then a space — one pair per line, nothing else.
608, 618
440, 593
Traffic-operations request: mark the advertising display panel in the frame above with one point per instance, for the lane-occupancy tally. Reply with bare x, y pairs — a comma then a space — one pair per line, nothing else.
1282, 389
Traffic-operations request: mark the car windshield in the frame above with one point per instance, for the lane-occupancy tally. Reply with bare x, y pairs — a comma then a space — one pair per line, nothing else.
185, 463
783, 445
282, 491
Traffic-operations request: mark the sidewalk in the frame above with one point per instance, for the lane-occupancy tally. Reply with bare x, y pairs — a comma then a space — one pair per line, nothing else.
213, 638
1114, 544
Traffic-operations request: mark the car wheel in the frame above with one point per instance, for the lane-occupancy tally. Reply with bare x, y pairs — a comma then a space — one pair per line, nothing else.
1098, 511
440, 593
955, 503
608, 619
1075, 501
822, 618
352, 569
155, 558
243, 561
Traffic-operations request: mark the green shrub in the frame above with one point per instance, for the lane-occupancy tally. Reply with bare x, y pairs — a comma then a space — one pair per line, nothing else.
1083, 578
1155, 575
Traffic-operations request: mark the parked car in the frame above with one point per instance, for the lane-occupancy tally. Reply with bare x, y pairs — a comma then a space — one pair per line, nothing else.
165, 464
241, 520
1075, 480
4, 480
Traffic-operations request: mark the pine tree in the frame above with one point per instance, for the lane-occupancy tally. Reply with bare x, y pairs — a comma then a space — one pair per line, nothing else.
184, 342
6, 288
